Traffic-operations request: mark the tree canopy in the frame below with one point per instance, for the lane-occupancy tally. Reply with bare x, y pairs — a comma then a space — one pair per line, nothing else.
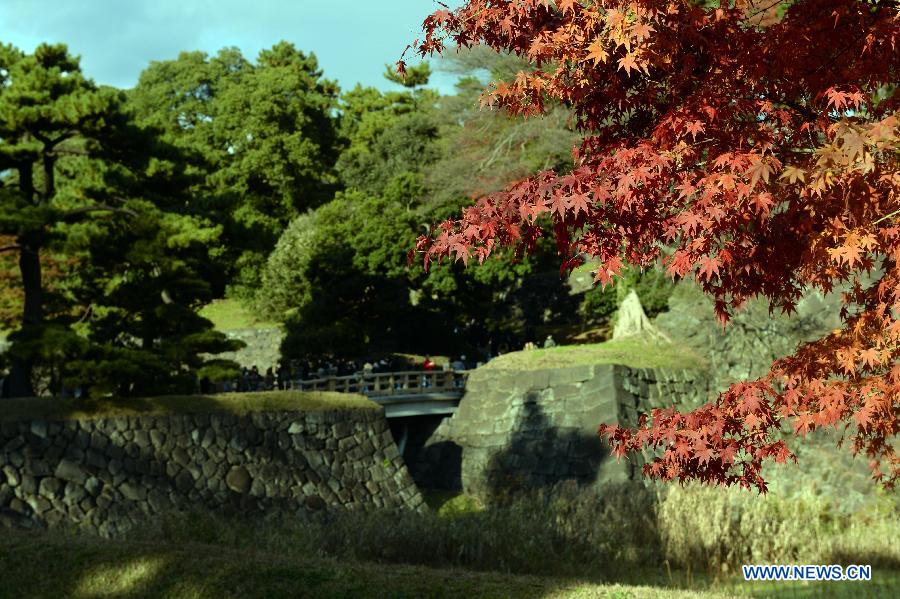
751, 143
78, 179
260, 141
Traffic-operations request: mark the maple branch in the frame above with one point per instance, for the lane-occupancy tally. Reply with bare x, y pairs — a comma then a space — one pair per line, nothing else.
894, 213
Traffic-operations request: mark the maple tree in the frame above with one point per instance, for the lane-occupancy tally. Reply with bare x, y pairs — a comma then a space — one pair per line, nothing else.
753, 144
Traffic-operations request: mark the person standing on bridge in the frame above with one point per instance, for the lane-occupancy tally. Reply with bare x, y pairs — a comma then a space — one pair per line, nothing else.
428, 365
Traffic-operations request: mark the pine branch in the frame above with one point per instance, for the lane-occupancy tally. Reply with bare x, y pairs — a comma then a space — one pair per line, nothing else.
99, 208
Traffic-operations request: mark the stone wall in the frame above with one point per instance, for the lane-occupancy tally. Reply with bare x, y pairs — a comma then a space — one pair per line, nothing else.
754, 337
534, 428
108, 474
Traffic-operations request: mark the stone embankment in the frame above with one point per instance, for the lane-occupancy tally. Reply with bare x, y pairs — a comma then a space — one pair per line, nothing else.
109, 474
530, 428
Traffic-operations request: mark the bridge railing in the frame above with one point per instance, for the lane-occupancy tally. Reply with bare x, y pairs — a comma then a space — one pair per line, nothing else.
388, 383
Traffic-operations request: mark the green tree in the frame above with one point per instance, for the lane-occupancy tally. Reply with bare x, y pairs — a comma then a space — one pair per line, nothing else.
261, 137
47, 109
80, 179
323, 277
339, 278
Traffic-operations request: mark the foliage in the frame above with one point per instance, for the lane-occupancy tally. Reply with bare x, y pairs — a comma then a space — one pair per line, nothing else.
651, 285
481, 150
396, 142
259, 138
81, 181
738, 140
338, 278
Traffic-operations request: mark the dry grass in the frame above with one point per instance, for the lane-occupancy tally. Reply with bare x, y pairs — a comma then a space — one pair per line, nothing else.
232, 403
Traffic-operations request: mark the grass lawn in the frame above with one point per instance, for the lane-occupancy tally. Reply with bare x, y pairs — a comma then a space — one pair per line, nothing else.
229, 314
39, 564
636, 353
235, 403
42, 564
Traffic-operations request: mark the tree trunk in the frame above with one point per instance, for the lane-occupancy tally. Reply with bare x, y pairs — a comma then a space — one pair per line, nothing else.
30, 269
631, 321
32, 316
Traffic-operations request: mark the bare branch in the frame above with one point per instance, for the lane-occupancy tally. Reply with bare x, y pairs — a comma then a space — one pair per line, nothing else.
10, 248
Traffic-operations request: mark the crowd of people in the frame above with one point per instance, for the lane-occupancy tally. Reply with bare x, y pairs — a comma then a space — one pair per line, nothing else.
286, 375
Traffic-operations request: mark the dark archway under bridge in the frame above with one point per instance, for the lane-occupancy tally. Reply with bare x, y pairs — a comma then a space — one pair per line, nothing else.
416, 405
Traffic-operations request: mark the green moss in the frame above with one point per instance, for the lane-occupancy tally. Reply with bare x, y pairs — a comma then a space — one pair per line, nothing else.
234, 403
636, 353
230, 314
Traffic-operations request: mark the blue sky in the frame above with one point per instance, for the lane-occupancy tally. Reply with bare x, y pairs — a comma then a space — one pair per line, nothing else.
116, 39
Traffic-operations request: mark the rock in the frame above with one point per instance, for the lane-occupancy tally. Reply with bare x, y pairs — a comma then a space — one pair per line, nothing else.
68, 470
19, 507
29, 484
39, 428
74, 493
98, 441
184, 482
238, 480
50, 487
12, 476
13, 444
237, 443
93, 486
131, 491
11, 519
158, 500
314, 503
181, 457
157, 438
38, 504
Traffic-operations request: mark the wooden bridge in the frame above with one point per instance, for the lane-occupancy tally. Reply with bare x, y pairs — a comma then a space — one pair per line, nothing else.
415, 393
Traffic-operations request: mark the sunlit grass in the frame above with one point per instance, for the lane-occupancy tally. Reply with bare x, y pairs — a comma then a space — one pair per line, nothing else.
121, 579
230, 314
635, 352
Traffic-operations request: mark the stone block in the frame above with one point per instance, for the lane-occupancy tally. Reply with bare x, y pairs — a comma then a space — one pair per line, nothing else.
50, 487
38, 504
183, 481
238, 480
13, 444
181, 457
39, 429
12, 476
132, 491
71, 471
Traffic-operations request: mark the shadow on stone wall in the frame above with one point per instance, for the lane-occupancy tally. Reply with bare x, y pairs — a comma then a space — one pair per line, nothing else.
541, 455
109, 475
434, 461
